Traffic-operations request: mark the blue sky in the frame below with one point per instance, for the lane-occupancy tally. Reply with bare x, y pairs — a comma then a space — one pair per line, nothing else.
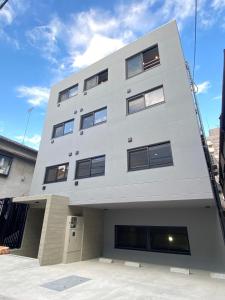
42, 42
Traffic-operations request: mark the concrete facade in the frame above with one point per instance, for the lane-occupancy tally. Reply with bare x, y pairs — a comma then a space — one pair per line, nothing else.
176, 195
18, 181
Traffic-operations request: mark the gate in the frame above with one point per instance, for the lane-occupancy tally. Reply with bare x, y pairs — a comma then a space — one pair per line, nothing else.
12, 222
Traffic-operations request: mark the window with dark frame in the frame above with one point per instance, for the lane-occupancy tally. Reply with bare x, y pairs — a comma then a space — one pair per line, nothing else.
164, 239
68, 93
95, 80
56, 173
142, 61
90, 167
5, 164
152, 156
63, 128
145, 100
94, 118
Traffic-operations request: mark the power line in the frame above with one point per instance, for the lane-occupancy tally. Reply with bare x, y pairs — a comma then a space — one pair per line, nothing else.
195, 38
27, 123
2, 3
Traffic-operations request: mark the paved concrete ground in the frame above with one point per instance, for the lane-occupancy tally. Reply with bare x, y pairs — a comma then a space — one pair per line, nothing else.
22, 279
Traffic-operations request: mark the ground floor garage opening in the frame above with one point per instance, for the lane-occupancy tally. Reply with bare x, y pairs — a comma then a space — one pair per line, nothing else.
187, 237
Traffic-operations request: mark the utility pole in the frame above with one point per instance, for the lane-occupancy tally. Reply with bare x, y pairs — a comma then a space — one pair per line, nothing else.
2, 3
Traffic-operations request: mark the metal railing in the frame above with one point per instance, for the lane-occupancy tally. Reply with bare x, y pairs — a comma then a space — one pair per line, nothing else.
208, 157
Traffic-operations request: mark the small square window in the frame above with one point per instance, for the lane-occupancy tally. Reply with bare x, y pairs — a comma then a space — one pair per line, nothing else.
134, 65
63, 129
83, 169
56, 173
100, 116
68, 93
155, 96
160, 155
68, 127
87, 121
138, 159
95, 80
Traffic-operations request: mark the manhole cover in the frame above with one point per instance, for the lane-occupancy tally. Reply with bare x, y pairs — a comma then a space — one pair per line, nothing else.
65, 283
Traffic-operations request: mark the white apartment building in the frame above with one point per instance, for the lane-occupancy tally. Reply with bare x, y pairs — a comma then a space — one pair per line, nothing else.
121, 151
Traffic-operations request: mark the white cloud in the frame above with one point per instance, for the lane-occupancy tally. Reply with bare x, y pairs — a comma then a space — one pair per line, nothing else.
32, 141
8, 14
203, 87
87, 57
218, 4
35, 95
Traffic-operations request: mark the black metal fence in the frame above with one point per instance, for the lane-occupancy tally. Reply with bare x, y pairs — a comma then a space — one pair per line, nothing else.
12, 222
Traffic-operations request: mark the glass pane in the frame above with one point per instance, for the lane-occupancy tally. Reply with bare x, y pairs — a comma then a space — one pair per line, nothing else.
160, 155
98, 166
73, 91
4, 164
91, 82
100, 116
83, 169
87, 121
134, 65
63, 96
169, 239
102, 77
138, 159
131, 237
153, 97
62, 172
58, 131
68, 127
51, 174
136, 105
151, 58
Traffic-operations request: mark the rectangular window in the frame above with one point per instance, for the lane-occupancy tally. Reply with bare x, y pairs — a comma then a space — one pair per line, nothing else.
153, 156
56, 173
145, 100
5, 164
90, 167
170, 240
95, 80
94, 118
153, 238
68, 93
131, 237
63, 128
142, 61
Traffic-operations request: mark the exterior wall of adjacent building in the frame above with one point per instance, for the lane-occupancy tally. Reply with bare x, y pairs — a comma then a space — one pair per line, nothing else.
18, 181
174, 121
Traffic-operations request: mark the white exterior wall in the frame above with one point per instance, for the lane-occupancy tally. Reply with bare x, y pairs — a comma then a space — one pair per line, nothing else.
173, 121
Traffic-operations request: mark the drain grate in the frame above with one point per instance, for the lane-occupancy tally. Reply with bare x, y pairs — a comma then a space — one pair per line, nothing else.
65, 283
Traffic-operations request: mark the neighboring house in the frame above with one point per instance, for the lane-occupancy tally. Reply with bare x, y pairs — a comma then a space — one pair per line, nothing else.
17, 164
122, 153
222, 136
213, 142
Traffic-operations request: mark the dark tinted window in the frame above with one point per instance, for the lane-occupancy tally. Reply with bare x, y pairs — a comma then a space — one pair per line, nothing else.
131, 237
94, 118
90, 167
145, 100
98, 166
160, 155
170, 239
87, 121
138, 159
63, 129
68, 93
150, 157
56, 173
83, 169
142, 61
95, 80
152, 238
